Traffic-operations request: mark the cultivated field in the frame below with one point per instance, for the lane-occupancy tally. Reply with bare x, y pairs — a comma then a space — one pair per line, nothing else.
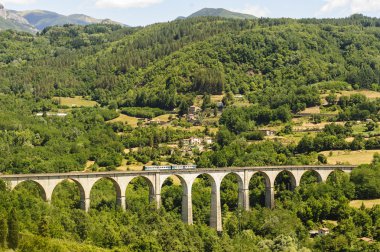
164, 118
312, 110
133, 167
126, 119
77, 101
368, 93
350, 157
367, 203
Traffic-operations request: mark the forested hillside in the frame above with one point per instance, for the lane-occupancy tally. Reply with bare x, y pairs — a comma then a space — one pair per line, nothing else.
204, 55
253, 92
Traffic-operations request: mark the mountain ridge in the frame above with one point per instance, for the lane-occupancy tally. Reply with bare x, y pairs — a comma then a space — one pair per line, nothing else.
33, 21
219, 12
42, 19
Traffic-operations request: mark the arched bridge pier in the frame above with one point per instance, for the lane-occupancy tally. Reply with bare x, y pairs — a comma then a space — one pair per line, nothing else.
156, 179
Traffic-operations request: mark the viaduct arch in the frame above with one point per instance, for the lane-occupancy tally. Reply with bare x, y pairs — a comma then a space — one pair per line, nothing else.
120, 180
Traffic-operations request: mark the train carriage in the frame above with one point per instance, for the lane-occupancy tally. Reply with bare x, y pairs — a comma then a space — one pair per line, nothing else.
169, 167
157, 167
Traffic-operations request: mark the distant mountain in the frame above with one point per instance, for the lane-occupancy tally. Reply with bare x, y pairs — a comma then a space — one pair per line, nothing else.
211, 12
11, 20
41, 19
33, 21
8, 24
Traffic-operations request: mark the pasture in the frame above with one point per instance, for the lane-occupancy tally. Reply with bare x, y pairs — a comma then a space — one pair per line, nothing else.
350, 157
77, 101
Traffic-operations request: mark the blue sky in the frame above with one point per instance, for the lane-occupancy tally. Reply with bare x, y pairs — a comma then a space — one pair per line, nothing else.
143, 12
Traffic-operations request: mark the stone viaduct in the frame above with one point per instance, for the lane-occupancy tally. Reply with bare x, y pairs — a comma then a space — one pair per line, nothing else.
156, 179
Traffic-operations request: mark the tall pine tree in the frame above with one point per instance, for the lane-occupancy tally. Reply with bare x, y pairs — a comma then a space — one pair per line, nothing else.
13, 228
3, 231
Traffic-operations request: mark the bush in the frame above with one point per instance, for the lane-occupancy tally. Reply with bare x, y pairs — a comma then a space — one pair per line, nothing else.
143, 112
254, 135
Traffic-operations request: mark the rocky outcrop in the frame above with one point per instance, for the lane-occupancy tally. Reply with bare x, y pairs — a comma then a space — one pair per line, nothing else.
36, 20
14, 16
3, 12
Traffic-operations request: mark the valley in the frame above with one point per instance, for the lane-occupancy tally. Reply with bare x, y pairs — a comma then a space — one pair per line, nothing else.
210, 91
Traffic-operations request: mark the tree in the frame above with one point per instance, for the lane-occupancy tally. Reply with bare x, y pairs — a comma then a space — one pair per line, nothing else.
306, 144
13, 227
183, 108
206, 101
215, 111
331, 99
228, 99
3, 231
322, 159
43, 227
371, 126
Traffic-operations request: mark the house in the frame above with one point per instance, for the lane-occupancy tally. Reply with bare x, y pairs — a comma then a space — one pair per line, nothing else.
268, 132
194, 119
193, 110
313, 233
155, 121
323, 231
366, 239
238, 96
185, 142
191, 118
195, 141
52, 114
208, 140
220, 105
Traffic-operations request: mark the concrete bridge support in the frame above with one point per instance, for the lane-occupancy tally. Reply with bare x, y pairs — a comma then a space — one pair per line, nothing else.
156, 192
216, 210
187, 206
269, 197
244, 198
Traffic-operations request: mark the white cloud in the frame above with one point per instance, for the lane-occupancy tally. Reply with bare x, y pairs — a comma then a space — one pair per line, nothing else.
125, 3
350, 6
255, 10
17, 1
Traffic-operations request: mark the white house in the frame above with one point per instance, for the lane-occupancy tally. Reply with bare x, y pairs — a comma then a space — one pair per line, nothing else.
195, 141
323, 231
208, 140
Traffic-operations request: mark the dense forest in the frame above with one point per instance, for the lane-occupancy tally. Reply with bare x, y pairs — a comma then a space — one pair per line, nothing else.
280, 67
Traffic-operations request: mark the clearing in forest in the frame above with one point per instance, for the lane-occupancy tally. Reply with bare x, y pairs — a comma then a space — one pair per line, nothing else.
350, 157
367, 203
132, 121
368, 93
311, 110
164, 118
77, 101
